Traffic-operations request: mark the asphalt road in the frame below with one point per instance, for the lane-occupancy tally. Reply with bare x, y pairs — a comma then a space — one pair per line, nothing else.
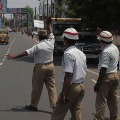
15, 84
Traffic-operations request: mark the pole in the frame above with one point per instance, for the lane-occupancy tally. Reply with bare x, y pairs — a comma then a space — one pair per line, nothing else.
43, 10
51, 9
35, 13
27, 23
47, 8
39, 8
39, 11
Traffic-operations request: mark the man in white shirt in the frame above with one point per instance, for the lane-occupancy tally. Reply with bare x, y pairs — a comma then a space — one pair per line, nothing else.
44, 70
73, 76
108, 80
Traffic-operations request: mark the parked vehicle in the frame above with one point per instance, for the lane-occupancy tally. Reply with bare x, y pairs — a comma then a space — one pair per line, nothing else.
4, 39
8, 29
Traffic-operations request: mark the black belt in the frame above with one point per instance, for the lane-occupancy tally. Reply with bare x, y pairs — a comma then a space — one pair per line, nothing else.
77, 83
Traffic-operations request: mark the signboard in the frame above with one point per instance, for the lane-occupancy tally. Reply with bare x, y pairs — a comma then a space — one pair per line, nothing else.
3, 6
19, 10
26, 12
14, 10
38, 23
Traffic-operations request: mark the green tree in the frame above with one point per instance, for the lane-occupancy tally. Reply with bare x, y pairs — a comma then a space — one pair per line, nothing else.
94, 13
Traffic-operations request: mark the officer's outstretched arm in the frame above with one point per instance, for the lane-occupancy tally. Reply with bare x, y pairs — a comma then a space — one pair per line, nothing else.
49, 27
9, 56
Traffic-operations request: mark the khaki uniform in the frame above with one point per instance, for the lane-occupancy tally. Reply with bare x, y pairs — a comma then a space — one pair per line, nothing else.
43, 73
75, 96
108, 93
74, 61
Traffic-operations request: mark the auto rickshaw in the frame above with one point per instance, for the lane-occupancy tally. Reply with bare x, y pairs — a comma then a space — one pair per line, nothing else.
4, 37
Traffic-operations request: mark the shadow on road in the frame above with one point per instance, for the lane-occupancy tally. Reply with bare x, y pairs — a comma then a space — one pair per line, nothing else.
106, 118
22, 109
57, 60
29, 59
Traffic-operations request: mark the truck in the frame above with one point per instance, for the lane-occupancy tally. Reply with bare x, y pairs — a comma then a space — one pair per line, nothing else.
88, 43
58, 26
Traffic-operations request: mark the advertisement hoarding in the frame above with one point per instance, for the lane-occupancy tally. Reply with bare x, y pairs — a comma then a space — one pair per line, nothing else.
3, 6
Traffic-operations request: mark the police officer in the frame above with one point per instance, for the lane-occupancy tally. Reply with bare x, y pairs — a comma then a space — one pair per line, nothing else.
73, 76
44, 70
108, 81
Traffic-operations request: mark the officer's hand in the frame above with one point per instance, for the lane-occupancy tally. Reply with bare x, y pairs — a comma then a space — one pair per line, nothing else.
9, 56
62, 99
96, 87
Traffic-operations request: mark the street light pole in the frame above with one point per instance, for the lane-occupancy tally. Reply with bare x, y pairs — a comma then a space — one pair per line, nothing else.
51, 9
47, 8
39, 9
43, 10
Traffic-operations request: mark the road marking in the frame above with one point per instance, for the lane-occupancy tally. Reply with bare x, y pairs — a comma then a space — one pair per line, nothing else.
35, 40
93, 80
1, 63
92, 72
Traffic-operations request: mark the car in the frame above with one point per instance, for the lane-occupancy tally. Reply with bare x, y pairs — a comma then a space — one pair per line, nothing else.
8, 29
4, 39
88, 43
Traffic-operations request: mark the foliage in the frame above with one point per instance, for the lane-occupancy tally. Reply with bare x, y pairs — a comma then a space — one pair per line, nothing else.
95, 13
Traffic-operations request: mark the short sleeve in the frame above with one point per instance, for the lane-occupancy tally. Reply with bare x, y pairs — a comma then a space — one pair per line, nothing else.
32, 50
105, 57
68, 62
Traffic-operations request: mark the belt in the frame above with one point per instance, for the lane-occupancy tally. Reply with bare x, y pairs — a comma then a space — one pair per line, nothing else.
111, 73
44, 63
77, 83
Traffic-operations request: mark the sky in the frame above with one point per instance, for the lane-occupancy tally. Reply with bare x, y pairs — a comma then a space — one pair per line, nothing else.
23, 3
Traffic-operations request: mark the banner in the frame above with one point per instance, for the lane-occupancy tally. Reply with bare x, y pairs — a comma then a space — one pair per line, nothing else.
38, 23
3, 6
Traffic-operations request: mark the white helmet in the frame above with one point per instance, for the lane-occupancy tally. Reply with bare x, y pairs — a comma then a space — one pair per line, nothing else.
70, 33
105, 36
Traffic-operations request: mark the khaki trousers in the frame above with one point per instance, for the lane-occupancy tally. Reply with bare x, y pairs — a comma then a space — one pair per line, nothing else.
43, 74
107, 95
75, 95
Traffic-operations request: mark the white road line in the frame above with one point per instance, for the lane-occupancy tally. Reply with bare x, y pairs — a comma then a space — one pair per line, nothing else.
35, 40
93, 80
1, 63
92, 72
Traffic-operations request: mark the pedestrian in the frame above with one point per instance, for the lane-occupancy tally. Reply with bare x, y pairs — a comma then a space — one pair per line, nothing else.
22, 31
44, 70
32, 34
73, 75
108, 80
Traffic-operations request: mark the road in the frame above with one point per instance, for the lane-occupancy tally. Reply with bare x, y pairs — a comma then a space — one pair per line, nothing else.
15, 84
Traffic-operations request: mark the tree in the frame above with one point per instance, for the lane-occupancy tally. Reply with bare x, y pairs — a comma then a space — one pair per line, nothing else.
94, 13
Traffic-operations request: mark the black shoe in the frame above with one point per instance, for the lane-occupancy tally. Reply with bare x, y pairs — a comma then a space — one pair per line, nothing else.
31, 108
53, 107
